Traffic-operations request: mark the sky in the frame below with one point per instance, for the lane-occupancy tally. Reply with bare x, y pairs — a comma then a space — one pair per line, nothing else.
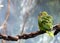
18, 16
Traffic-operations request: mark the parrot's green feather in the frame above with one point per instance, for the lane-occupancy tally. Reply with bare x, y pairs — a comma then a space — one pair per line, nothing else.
45, 21
50, 33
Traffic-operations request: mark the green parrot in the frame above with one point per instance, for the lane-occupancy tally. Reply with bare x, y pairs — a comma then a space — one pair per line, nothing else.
45, 23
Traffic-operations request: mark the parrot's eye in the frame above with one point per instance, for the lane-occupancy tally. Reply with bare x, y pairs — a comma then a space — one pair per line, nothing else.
40, 14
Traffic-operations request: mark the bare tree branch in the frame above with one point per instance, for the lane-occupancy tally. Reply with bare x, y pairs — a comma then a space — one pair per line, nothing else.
6, 19
27, 36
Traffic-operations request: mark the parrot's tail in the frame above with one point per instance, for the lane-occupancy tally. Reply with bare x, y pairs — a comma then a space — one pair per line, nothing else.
50, 33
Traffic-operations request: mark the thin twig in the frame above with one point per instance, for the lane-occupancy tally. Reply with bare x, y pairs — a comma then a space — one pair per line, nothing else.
6, 19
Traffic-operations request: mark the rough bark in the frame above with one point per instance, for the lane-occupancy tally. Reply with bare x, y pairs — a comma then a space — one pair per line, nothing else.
30, 35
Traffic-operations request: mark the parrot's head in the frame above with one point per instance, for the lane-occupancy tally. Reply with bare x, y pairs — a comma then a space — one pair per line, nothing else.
44, 13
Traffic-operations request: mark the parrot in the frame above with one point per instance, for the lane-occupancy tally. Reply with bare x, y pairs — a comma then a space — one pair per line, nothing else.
45, 23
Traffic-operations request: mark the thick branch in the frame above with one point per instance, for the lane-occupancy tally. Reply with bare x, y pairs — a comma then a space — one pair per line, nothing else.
27, 36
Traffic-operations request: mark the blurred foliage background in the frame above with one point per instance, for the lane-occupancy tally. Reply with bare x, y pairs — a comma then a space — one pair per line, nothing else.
17, 18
